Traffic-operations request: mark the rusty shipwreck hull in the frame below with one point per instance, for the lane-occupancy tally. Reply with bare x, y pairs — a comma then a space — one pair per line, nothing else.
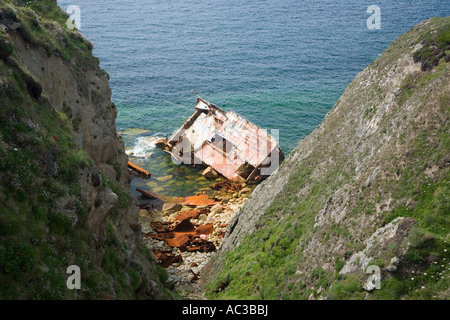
227, 142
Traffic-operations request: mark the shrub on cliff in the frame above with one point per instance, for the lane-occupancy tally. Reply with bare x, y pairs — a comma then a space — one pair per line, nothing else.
436, 47
6, 46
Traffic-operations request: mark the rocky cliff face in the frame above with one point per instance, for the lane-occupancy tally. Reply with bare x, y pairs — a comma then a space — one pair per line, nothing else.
368, 187
82, 92
63, 168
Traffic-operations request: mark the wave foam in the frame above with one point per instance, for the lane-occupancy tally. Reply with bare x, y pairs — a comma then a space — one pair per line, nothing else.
143, 147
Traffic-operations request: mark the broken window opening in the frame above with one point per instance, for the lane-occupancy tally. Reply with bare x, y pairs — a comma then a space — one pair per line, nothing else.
219, 142
245, 170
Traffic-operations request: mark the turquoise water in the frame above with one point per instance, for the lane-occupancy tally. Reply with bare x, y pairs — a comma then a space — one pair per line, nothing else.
280, 63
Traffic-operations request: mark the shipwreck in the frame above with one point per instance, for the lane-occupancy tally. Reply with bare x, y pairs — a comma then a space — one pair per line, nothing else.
225, 141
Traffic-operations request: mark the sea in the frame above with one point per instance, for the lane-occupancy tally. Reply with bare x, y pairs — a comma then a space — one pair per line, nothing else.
282, 64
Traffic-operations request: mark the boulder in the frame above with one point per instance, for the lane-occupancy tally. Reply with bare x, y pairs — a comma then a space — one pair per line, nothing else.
161, 143
183, 215
171, 207
210, 173
393, 264
211, 217
238, 179
164, 178
159, 217
217, 208
202, 219
195, 270
245, 191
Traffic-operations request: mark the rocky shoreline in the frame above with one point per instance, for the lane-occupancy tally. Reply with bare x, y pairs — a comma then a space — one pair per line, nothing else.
184, 271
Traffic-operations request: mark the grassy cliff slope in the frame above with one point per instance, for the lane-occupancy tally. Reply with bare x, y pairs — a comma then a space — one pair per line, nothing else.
62, 203
369, 187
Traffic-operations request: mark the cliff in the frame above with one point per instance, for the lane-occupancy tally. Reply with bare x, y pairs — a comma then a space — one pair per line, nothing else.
369, 187
64, 196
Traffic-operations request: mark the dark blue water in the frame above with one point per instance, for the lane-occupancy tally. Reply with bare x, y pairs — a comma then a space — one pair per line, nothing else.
280, 63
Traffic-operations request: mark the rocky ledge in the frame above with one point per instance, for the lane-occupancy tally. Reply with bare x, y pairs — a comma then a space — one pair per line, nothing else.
184, 238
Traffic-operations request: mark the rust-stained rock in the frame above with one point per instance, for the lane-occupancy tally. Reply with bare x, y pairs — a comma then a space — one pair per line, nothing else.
161, 227
198, 245
166, 258
184, 235
200, 200
163, 231
178, 240
192, 214
162, 236
205, 229
210, 173
184, 226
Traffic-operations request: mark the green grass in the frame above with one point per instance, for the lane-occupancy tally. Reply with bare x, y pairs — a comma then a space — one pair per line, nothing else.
435, 47
271, 262
268, 258
348, 289
369, 112
43, 214
428, 279
51, 33
6, 46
